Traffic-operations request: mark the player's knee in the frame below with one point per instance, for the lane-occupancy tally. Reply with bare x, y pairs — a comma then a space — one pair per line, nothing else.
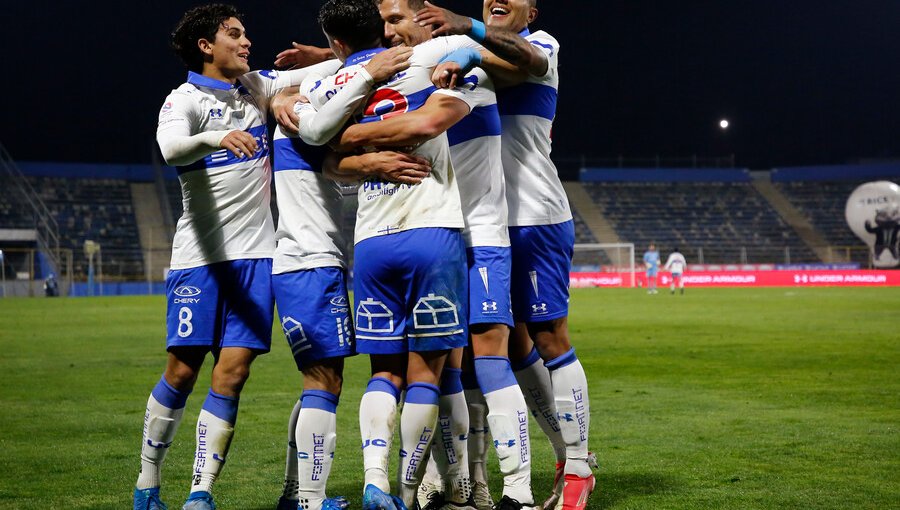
490, 339
326, 375
230, 379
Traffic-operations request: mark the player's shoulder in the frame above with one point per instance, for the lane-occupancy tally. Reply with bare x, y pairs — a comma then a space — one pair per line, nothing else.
542, 36
257, 80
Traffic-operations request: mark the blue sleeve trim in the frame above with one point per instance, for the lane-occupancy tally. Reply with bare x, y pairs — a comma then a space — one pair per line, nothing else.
527, 98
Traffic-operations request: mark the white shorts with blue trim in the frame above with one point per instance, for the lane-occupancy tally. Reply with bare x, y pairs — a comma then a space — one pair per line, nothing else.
226, 304
541, 262
410, 292
314, 312
489, 280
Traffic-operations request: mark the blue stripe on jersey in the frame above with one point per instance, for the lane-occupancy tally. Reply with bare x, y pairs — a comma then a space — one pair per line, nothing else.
481, 121
528, 99
386, 102
294, 154
225, 157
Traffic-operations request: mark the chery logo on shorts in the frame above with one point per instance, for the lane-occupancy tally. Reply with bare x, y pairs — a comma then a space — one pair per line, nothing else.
187, 291
340, 304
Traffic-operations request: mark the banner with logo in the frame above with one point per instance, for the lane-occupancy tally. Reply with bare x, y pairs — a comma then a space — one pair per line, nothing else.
852, 278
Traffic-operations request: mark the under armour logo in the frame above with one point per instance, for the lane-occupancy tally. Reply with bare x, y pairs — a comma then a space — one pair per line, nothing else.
542, 308
566, 416
489, 306
216, 113
510, 443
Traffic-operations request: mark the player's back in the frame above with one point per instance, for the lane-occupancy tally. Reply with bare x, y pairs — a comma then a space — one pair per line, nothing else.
309, 233
535, 193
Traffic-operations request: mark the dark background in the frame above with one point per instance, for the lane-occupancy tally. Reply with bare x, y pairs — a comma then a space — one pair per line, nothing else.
802, 81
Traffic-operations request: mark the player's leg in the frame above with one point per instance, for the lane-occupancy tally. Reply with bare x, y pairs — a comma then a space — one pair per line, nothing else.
379, 285
288, 499
165, 408
245, 328
450, 450
572, 403
532, 249
191, 330
681, 283
490, 319
437, 300
314, 313
479, 438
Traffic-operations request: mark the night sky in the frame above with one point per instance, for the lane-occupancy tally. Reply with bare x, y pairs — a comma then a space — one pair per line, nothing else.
801, 81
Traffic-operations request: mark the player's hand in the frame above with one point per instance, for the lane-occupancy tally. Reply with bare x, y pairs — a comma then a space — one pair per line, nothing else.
240, 143
447, 75
397, 167
388, 63
444, 22
302, 55
283, 110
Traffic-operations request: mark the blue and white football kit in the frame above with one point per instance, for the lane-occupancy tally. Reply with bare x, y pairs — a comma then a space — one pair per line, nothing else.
400, 305
309, 274
219, 292
540, 220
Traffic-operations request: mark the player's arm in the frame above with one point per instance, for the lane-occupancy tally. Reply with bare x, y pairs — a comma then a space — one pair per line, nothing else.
508, 54
439, 113
385, 165
318, 127
180, 145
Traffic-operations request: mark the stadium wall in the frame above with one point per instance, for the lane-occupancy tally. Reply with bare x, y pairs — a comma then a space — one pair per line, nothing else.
594, 174
835, 173
134, 173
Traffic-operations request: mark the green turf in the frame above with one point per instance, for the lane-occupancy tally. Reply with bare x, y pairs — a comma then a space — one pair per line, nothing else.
720, 399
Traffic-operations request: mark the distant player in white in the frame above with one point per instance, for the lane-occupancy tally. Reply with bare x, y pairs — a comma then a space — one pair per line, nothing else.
676, 264
541, 229
309, 283
219, 295
410, 274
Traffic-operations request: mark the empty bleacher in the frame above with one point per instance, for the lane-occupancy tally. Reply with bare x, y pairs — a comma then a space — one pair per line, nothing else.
729, 221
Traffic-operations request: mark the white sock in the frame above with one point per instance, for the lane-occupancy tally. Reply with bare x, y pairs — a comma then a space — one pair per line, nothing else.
450, 448
291, 480
417, 425
508, 419
478, 434
215, 429
316, 437
432, 474
377, 415
571, 392
534, 380
165, 408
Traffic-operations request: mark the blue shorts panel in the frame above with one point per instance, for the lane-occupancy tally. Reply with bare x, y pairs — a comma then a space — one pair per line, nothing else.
489, 277
410, 292
652, 273
314, 312
227, 304
541, 262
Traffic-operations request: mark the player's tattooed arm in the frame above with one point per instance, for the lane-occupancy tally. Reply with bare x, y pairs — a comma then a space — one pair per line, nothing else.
438, 114
505, 45
388, 166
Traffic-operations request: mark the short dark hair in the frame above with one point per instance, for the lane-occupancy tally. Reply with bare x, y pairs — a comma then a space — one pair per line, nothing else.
356, 23
199, 23
416, 5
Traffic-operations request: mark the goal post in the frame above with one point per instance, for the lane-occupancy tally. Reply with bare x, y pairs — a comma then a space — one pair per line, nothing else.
606, 258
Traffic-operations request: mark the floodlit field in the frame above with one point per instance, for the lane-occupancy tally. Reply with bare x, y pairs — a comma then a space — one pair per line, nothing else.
719, 399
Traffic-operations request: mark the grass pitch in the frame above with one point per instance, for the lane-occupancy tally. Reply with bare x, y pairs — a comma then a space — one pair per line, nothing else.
719, 399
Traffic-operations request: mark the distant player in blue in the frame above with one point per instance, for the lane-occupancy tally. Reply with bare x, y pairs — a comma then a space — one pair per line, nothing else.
651, 262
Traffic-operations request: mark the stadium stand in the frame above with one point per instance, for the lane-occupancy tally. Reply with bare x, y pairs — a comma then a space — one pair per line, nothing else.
718, 217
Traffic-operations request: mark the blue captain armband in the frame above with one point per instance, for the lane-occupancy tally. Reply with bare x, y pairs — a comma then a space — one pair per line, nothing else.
467, 58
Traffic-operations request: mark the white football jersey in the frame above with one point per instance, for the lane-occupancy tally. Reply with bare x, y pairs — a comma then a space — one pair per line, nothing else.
388, 208
225, 198
475, 150
533, 190
309, 233
676, 262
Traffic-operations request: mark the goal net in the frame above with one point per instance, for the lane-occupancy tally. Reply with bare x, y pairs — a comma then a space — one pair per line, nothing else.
617, 258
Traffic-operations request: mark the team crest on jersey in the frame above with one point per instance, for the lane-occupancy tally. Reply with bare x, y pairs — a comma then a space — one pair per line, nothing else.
386, 103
